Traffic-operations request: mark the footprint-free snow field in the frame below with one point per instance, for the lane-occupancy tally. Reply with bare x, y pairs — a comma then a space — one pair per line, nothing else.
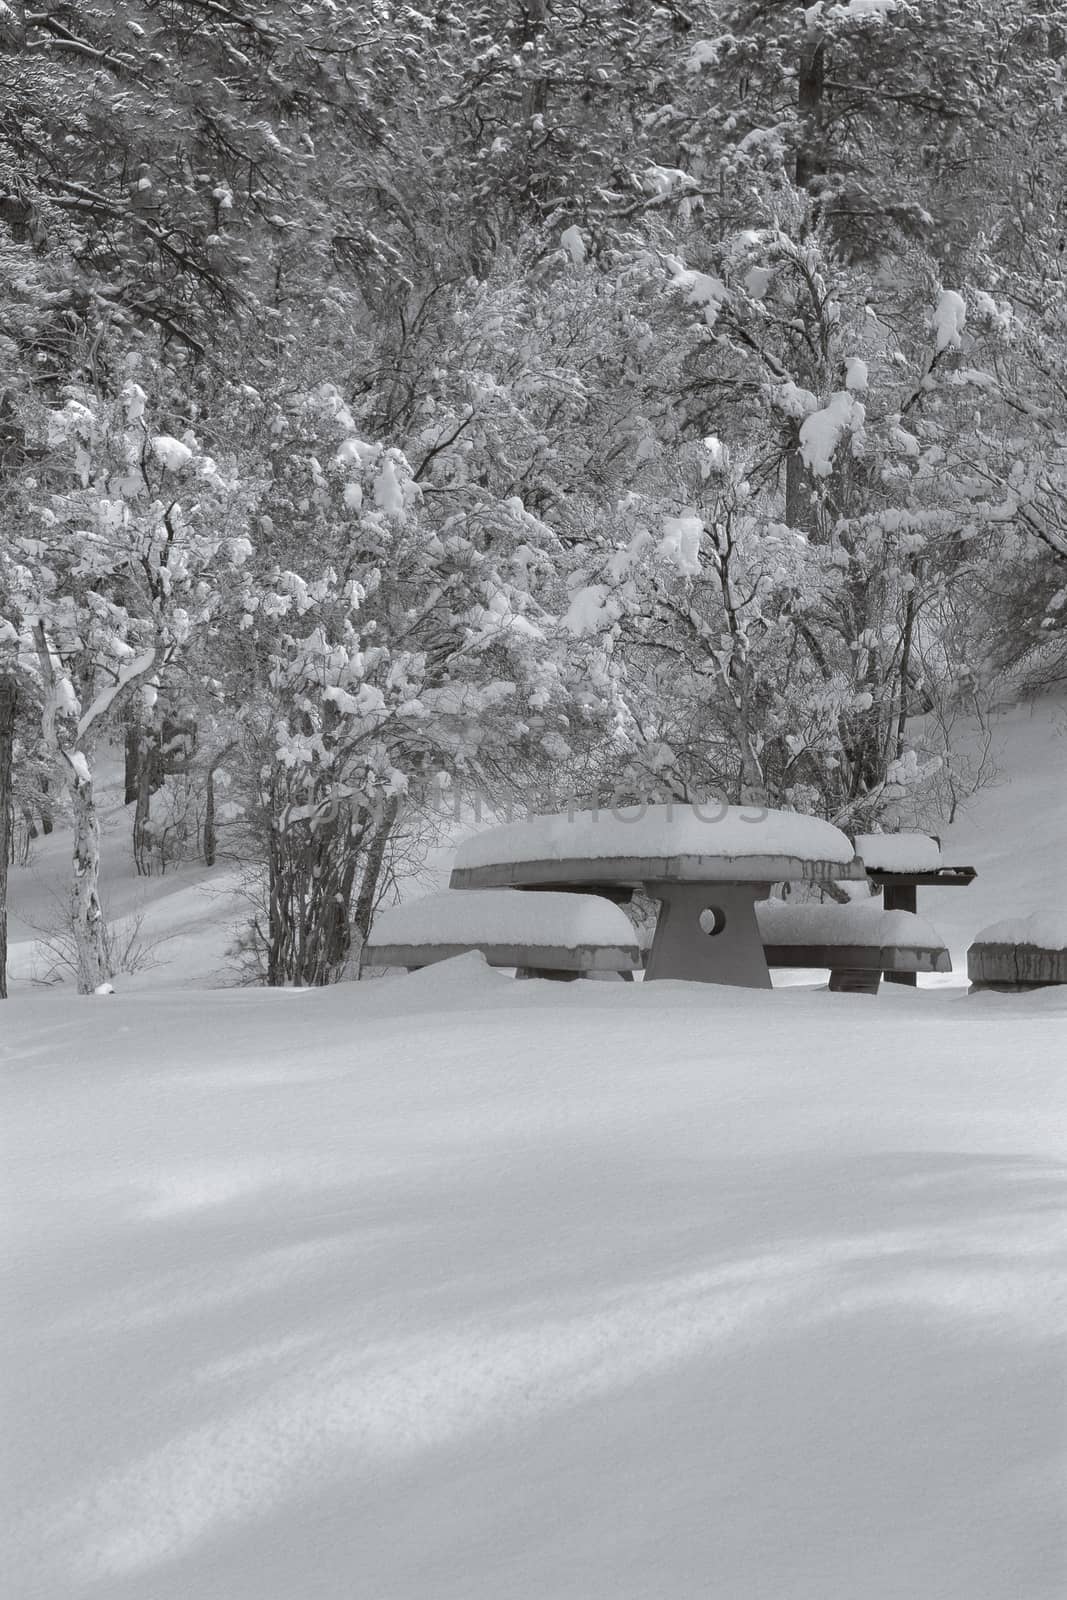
456, 1288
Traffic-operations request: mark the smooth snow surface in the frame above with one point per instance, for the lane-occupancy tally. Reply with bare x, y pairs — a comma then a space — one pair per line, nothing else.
709, 830
1014, 831
449, 1287
900, 852
862, 922
1046, 929
503, 917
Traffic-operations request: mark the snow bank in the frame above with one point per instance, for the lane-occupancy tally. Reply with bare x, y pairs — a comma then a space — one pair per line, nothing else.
861, 922
462, 1289
1045, 929
899, 852
503, 917
713, 831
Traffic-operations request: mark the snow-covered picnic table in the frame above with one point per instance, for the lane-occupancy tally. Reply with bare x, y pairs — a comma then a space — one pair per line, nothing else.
707, 865
900, 864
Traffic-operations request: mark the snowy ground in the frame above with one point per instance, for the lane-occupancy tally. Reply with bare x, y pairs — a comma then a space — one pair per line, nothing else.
452, 1288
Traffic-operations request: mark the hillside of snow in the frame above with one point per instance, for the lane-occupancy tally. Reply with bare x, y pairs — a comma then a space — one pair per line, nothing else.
449, 1287
185, 920
1014, 831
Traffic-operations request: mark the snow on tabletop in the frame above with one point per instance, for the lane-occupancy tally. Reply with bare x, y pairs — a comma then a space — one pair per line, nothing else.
712, 830
861, 922
898, 852
504, 917
1045, 929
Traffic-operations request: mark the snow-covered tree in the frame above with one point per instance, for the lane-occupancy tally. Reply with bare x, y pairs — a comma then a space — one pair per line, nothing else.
402, 647
123, 550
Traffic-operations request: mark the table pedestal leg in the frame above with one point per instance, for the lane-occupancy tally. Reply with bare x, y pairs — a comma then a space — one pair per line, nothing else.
731, 952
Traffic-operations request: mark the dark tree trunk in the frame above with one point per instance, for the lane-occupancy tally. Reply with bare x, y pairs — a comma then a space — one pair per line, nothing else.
905, 666
372, 872
8, 697
148, 781
141, 818
210, 842
133, 761
47, 823
810, 161
799, 512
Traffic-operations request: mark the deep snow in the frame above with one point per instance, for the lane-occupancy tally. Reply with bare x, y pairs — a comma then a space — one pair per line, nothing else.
452, 1288
448, 1287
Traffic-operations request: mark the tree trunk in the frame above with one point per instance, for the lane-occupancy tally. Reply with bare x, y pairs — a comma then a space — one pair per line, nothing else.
148, 781
372, 871
8, 695
210, 842
810, 161
45, 807
87, 919
312, 869
133, 759
905, 664
799, 511
210, 831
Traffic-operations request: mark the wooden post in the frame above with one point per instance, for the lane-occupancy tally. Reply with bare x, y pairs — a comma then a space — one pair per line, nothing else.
901, 897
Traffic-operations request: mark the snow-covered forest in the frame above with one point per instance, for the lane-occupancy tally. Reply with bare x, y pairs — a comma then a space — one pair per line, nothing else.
433, 441
512, 402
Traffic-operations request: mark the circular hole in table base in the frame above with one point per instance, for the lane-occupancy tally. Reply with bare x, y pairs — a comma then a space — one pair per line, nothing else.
712, 920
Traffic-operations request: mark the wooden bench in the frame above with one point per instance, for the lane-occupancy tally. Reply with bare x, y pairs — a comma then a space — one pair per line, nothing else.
562, 936
900, 864
1018, 954
857, 942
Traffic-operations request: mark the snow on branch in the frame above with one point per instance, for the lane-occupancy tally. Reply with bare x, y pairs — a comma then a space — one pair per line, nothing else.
139, 667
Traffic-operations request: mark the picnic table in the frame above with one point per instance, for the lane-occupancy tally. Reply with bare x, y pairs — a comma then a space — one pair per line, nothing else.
707, 865
900, 864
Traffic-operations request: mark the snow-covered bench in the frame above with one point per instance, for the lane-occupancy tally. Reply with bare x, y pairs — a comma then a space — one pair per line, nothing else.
540, 934
1020, 953
899, 864
857, 942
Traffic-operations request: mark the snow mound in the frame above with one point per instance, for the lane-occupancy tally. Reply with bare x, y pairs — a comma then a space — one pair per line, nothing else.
1045, 929
483, 1290
712, 830
503, 917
